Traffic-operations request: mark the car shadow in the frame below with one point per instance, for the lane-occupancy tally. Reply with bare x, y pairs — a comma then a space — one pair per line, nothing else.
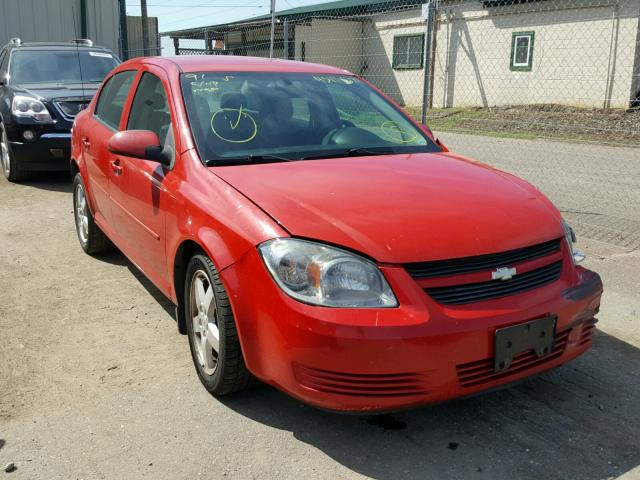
579, 421
115, 257
53, 182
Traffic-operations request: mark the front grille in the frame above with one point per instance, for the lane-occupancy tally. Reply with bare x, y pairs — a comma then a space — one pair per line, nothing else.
482, 371
70, 108
365, 385
475, 292
479, 263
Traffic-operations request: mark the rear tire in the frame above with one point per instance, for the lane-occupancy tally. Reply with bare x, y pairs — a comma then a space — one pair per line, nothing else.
9, 163
92, 239
211, 329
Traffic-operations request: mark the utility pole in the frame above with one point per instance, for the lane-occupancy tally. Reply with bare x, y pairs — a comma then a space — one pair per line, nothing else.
273, 27
145, 28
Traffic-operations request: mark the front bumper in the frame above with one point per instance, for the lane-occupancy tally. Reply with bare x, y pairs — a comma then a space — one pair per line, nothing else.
48, 152
385, 359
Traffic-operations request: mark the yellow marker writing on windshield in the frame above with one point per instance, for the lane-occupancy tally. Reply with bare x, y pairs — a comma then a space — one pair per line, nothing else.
242, 130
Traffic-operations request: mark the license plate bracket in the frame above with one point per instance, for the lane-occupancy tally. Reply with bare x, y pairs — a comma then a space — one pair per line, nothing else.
537, 335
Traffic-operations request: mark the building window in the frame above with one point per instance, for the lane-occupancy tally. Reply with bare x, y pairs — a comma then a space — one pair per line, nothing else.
303, 51
408, 52
522, 51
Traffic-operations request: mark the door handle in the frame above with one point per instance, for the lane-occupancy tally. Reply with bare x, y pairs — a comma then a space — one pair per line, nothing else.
86, 142
115, 166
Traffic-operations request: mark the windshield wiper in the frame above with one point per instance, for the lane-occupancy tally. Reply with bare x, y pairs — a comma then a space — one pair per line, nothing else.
248, 159
351, 152
354, 152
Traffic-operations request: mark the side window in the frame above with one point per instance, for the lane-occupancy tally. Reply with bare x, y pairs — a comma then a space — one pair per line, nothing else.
150, 110
112, 97
408, 52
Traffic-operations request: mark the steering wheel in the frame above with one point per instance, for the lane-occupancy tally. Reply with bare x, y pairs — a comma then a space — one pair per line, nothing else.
326, 140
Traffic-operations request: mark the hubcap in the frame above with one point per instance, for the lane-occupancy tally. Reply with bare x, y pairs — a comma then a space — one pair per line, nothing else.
6, 159
206, 335
82, 214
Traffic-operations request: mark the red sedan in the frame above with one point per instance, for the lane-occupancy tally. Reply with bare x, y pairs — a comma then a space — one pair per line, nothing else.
314, 236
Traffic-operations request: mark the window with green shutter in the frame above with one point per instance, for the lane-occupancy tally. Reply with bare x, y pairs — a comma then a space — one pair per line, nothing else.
522, 51
408, 52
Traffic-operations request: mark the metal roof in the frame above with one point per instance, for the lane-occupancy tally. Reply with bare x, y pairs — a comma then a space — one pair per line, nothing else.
334, 9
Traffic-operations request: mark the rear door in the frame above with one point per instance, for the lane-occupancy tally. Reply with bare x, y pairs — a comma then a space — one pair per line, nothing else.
139, 197
97, 131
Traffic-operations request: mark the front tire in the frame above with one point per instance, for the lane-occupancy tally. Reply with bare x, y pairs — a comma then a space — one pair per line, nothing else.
92, 239
10, 165
211, 329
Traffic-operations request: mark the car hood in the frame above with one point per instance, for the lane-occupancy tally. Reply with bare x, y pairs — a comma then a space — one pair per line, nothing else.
50, 91
400, 208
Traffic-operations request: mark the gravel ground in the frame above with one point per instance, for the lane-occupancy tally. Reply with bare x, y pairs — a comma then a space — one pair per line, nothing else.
96, 383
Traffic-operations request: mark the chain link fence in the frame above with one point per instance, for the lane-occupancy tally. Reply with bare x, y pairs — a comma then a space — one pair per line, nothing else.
546, 89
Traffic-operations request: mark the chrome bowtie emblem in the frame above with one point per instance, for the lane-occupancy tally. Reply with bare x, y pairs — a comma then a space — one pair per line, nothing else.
503, 273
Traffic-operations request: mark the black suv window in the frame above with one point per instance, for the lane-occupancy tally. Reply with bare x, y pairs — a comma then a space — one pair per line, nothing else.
60, 66
112, 97
149, 110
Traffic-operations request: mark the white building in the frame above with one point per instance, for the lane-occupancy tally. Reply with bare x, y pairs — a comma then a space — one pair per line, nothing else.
485, 52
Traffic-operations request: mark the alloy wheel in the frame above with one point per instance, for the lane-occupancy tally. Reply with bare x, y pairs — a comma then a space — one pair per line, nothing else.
203, 314
82, 214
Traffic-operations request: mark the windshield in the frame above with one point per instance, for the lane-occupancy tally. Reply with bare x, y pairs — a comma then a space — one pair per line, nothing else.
250, 116
62, 66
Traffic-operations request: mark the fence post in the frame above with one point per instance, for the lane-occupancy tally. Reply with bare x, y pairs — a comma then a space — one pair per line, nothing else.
145, 28
285, 54
124, 37
273, 27
431, 13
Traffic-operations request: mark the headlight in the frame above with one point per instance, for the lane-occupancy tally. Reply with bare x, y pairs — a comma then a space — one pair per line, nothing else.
327, 276
570, 236
28, 107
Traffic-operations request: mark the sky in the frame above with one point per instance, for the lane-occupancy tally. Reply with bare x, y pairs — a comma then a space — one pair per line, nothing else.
179, 14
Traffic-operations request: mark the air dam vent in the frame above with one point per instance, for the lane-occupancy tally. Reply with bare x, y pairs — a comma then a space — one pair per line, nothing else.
457, 266
481, 372
477, 292
364, 385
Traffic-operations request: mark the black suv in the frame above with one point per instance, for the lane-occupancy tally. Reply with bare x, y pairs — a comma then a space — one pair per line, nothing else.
42, 88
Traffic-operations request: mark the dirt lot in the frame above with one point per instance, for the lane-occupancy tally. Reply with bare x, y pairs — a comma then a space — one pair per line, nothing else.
96, 383
611, 127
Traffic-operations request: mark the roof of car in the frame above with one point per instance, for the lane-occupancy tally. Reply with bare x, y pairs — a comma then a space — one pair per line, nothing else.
200, 63
54, 46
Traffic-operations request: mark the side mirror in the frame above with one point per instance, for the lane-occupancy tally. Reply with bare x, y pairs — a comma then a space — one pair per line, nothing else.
142, 144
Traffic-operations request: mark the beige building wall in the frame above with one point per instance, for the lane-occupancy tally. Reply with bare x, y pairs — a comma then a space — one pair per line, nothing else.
303, 36
404, 86
583, 53
332, 42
